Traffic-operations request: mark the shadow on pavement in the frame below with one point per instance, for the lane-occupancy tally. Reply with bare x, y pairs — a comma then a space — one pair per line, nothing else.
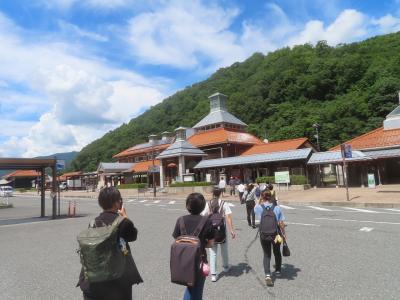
33, 220
289, 272
236, 270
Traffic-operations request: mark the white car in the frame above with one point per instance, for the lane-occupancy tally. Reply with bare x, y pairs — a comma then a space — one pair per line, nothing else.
6, 191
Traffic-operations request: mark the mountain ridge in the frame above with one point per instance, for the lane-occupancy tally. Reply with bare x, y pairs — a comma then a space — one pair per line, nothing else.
347, 89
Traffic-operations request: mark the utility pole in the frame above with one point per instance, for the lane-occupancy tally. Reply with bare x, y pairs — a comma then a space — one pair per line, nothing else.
154, 173
316, 126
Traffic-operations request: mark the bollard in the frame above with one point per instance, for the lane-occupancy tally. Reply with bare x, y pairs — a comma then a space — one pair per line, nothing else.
69, 208
74, 209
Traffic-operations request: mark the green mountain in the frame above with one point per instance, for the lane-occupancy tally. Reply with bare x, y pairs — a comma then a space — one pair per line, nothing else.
347, 89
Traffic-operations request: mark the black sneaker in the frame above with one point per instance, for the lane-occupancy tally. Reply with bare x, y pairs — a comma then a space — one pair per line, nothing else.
278, 272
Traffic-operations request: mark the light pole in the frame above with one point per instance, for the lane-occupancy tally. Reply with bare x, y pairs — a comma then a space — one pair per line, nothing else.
316, 126
154, 173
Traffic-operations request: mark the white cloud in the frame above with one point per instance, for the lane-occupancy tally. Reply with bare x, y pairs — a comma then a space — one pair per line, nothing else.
350, 25
387, 24
71, 29
180, 33
90, 4
78, 96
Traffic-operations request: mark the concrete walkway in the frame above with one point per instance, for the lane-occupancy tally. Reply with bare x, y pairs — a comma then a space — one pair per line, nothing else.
381, 196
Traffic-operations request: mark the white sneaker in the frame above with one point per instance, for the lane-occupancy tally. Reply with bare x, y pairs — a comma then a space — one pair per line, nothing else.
226, 269
213, 278
268, 280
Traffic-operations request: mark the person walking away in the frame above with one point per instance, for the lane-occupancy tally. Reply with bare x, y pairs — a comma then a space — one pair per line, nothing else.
241, 189
220, 214
222, 185
195, 204
250, 199
232, 183
272, 229
273, 194
121, 288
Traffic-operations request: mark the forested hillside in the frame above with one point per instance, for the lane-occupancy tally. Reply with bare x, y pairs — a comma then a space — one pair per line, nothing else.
347, 89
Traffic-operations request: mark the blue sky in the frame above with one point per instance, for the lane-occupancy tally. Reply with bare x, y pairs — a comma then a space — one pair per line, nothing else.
71, 70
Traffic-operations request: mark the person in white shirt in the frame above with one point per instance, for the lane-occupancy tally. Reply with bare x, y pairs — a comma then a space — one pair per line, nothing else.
241, 189
217, 206
222, 185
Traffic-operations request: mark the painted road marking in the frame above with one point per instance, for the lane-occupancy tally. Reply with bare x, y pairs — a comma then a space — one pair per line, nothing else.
393, 209
171, 202
231, 205
143, 201
366, 229
162, 205
304, 224
286, 207
157, 201
361, 210
319, 208
344, 220
130, 201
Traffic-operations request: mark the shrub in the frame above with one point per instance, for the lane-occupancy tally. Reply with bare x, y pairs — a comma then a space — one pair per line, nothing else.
132, 186
190, 183
265, 179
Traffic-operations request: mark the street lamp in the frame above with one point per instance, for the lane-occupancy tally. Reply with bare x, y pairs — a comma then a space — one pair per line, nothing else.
316, 126
153, 144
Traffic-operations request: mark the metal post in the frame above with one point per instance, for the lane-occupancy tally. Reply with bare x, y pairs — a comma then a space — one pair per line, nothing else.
54, 191
42, 193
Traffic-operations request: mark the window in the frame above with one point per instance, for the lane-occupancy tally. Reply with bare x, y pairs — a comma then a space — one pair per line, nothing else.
297, 171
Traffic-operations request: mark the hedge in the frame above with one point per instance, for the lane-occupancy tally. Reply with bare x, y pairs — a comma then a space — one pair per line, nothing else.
190, 183
294, 179
132, 186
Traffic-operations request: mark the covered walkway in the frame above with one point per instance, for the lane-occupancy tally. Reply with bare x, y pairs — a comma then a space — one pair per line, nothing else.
40, 166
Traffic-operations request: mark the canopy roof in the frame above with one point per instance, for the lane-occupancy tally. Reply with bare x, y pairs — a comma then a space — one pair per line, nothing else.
114, 167
26, 163
300, 154
181, 148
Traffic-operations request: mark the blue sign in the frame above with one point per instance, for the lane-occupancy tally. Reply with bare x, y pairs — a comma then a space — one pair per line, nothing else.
60, 164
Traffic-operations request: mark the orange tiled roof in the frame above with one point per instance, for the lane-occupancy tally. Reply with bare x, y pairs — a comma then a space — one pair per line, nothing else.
222, 136
284, 145
65, 176
143, 166
133, 151
377, 138
23, 173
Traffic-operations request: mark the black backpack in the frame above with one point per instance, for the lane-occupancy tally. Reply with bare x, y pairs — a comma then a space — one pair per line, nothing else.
217, 221
268, 224
186, 255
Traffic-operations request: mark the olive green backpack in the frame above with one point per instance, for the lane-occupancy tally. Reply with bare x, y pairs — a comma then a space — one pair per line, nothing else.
101, 256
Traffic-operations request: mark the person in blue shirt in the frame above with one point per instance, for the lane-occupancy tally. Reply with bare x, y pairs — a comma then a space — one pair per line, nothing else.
266, 201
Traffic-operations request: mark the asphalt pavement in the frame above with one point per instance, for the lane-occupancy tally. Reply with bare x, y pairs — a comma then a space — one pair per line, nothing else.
337, 253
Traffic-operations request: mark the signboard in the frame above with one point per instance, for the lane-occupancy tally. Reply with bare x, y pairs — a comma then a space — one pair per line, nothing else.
60, 164
154, 169
371, 181
346, 150
282, 177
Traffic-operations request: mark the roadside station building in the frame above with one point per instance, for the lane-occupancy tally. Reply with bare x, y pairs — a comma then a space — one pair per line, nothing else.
376, 152
218, 145
23, 178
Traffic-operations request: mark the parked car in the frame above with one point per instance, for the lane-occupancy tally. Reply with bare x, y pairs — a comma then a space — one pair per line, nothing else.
6, 191
63, 186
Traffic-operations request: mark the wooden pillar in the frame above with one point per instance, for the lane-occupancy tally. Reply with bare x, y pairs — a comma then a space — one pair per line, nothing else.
42, 193
161, 174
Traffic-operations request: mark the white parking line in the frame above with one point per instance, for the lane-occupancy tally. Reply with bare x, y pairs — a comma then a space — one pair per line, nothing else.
361, 210
171, 202
157, 201
130, 201
367, 229
319, 208
143, 201
344, 220
286, 207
